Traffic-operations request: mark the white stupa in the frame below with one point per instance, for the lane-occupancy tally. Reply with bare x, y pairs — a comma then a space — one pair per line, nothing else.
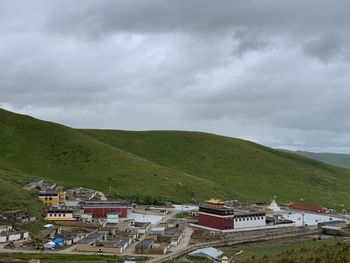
273, 206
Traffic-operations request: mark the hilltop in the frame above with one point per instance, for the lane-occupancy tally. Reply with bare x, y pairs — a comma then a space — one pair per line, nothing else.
163, 164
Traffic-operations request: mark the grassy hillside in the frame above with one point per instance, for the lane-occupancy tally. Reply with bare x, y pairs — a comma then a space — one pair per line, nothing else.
337, 159
13, 197
247, 170
165, 164
69, 157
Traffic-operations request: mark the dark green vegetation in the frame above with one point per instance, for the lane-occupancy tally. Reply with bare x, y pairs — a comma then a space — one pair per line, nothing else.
5, 257
327, 251
166, 165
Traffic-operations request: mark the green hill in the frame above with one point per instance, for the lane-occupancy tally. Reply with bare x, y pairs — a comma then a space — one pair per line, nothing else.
337, 159
164, 164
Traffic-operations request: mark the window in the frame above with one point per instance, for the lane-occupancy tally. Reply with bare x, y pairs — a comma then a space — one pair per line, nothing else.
240, 219
55, 215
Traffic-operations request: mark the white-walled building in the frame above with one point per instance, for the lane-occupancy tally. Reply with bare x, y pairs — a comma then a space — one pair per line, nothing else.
247, 220
13, 236
112, 218
60, 214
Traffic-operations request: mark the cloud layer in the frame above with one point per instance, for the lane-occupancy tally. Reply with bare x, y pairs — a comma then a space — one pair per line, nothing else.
275, 72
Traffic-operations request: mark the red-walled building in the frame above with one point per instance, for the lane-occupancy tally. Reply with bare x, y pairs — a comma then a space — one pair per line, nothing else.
309, 208
101, 208
215, 215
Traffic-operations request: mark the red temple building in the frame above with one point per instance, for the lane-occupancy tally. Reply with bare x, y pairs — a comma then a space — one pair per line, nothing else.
101, 208
214, 214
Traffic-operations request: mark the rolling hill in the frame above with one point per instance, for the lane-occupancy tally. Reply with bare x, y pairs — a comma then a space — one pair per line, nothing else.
338, 159
163, 164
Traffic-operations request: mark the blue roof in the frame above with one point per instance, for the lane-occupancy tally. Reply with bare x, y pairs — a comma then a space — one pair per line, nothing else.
95, 235
145, 243
208, 251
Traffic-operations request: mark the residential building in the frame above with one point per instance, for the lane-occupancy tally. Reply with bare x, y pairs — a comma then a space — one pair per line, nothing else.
60, 214
13, 236
52, 197
148, 246
5, 228
112, 218
18, 216
81, 193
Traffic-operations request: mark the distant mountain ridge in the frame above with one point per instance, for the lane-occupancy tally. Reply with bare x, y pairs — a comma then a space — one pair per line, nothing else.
169, 165
338, 159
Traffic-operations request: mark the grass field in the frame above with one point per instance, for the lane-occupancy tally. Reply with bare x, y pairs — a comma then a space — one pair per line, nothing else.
332, 250
329, 250
168, 165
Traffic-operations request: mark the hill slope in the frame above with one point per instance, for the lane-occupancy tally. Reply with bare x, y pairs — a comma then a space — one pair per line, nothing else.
69, 157
247, 170
166, 164
337, 159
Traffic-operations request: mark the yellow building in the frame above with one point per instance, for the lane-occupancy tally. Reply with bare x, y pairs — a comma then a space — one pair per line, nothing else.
52, 198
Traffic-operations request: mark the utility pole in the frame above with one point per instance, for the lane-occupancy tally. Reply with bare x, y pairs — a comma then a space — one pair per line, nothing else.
302, 220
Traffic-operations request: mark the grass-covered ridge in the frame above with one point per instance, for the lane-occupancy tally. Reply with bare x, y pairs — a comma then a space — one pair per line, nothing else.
165, 164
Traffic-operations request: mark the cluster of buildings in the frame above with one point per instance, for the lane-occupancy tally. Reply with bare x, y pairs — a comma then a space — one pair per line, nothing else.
8, 234
13, 222
160, 239
113, 238
77, 204
231, 216
17, 217
80, 217
95, 224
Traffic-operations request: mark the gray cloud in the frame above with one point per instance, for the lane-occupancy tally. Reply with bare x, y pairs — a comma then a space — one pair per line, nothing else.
325, 47
274, 71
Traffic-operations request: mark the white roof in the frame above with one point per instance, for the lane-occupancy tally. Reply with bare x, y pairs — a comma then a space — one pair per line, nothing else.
158, 229
48, 225
185, 208
153, 219
50, 244
209, 251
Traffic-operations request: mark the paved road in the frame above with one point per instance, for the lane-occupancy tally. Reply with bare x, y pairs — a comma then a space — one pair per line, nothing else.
187, 233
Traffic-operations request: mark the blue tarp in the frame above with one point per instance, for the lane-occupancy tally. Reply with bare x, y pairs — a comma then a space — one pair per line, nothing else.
59, 241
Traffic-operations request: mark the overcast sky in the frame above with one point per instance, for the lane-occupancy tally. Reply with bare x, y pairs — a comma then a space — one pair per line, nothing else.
274, 72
